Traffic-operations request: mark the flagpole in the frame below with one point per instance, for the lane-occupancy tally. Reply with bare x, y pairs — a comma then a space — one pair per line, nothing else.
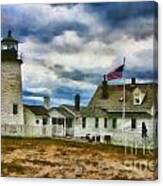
124, 108
124, 93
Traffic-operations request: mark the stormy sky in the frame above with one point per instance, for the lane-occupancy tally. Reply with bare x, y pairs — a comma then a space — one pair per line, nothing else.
67, 48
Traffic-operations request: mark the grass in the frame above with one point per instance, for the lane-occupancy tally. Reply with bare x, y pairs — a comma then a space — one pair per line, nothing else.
29, 142
14, 168
60, 158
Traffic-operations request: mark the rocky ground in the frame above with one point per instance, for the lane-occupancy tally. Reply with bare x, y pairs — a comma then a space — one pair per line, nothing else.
46, 158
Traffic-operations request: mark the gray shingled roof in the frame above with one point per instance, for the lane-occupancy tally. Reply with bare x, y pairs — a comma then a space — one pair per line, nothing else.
65, 112
62, 111
99, 107
37, 110
71, 108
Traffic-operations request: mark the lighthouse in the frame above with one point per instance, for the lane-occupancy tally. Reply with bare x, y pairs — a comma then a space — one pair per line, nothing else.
12, 117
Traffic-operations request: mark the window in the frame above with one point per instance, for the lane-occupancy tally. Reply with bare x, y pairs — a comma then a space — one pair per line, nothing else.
137, 100
93, 138
105, 122
54, 121
44, 121
69, 122
133, 123
107, 139
96, 122
60, 121
37, 121
15, 108
4, 47
114, 124
83, 123
120, 99
98, 138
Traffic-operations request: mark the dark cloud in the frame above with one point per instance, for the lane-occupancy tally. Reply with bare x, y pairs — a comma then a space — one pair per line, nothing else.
64, 92
135, 19
69, 94
29, 101
61, 92
46, 33
26, 25
55, 29
58, 66
92, 76
34, 94
67, 49
68, 5
116, 13
132, 19
140, 74
146, 55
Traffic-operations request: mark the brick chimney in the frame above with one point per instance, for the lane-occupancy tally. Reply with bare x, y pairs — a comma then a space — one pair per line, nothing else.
47, 102
77, 102
133, 81
104, 88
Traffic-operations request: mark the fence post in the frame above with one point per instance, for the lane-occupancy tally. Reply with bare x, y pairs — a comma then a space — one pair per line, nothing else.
136, 145
125, 146
144, 147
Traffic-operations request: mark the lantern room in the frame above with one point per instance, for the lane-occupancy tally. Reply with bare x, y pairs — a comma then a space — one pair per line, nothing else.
9, 43
9, 47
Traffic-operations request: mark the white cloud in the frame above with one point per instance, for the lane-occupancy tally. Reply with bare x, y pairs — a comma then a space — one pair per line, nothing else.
43, 14
73, 51
92, 55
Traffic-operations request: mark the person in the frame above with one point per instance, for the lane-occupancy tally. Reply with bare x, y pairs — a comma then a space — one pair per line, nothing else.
144, 130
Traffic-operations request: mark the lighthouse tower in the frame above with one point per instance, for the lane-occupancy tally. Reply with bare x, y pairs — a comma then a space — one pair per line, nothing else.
12, 117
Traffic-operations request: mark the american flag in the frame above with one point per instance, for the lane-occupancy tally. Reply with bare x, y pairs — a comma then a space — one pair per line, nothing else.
116, 74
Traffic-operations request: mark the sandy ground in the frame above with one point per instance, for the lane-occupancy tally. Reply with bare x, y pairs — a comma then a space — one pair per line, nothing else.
45, 158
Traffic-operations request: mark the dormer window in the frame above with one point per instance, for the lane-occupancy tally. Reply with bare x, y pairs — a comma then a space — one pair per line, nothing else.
120, 99
137, 101
138, 96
